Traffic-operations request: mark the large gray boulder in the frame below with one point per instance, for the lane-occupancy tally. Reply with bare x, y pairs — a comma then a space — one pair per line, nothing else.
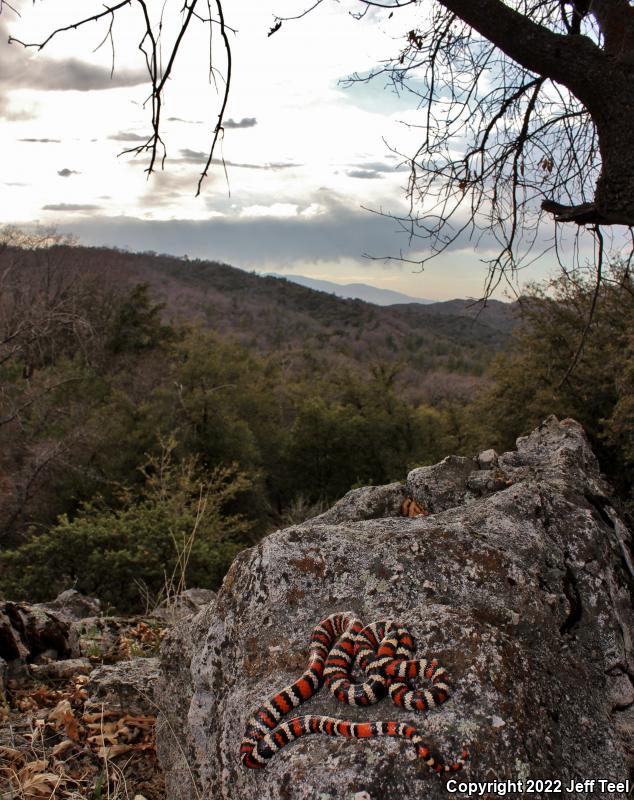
518, 581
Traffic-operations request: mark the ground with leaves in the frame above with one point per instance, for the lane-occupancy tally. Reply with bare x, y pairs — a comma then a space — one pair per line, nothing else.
56, 741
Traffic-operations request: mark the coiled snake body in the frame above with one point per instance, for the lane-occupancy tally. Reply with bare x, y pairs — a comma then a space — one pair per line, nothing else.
384, 651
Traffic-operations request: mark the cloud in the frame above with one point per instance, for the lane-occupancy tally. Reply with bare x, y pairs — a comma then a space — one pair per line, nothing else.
71, 207
371, 170
71, 74
381, 166
12, 114
186, 121
128, 136
245, 122
66, 173
22, 69
338, 232
198, 157
367, 174
41, 141
166, 187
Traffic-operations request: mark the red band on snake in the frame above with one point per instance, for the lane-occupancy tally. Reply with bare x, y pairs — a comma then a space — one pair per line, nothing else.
384, 651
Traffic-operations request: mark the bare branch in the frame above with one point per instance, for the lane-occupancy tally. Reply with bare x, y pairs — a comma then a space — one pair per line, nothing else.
159, 73
219, 129
72, 27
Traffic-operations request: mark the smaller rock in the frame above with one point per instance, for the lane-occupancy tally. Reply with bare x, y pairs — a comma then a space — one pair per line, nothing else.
487, 481
26, 631
128, 684
4, 673
487, 459
620, 691
71, 605
62, 669
368, 502
441, 486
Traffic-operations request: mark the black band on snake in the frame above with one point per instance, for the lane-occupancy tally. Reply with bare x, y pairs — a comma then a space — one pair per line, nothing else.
384, 651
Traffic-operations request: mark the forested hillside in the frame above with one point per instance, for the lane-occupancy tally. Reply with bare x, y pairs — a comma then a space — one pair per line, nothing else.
145, 400
439, 349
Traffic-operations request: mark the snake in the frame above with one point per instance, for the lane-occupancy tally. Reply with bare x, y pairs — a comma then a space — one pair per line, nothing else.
384, 651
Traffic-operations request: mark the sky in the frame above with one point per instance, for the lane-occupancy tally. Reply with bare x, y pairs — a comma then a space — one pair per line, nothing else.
305, 157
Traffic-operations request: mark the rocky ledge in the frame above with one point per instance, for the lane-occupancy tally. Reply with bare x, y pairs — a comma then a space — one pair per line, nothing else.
515, 572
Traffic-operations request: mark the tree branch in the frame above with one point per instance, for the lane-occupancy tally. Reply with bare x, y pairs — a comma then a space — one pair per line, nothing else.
73, 27
532, 45
218, 129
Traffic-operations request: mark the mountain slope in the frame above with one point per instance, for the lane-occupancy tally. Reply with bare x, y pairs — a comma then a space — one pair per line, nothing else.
352, 291
438, 349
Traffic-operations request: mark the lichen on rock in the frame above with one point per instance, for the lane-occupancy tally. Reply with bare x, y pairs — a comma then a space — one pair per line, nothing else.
515, 581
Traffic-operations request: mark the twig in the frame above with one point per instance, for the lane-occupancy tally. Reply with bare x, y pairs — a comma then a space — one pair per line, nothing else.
219, 128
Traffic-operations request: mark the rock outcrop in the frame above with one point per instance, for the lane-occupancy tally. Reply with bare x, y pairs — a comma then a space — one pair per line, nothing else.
73, 606
518, 580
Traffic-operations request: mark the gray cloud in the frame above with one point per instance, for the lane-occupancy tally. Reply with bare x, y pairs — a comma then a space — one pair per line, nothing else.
66, 173
381, 166
71, 207
20, 69
367, 174
128, 136
199, 157
252, 242
245, 122
71, 74
41, 141
186, 121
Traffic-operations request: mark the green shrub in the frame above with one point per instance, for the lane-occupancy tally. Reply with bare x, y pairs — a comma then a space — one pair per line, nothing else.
546, 372
171, 531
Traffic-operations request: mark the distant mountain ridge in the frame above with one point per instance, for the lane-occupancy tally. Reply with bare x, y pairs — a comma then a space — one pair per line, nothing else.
352, 291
